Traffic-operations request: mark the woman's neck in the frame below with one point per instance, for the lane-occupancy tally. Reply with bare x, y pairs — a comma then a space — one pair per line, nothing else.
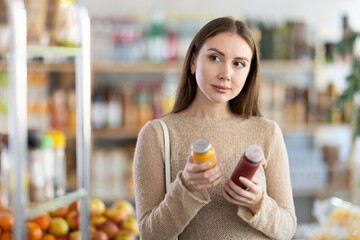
217, 111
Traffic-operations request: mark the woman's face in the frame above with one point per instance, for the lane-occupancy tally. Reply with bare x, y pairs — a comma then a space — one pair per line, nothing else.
222, 66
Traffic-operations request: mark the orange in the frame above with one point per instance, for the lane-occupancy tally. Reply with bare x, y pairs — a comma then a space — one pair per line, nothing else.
6, 236
48, 237
43, 221
6, 221
34, 231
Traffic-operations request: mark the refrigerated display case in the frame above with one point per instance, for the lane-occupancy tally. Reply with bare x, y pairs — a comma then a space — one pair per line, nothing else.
16, 62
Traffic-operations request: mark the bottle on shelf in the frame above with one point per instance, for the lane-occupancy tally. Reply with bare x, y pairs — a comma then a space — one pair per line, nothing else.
72, 110
59, 109
35, 166
114, 109
48, 154
99, 110
130, 116
144, 102
59, 140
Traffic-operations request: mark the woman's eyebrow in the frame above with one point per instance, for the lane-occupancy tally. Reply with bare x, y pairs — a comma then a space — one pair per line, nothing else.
222, 54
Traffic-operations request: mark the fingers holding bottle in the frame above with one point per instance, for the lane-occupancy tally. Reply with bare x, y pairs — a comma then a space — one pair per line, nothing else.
201, 176
250, 196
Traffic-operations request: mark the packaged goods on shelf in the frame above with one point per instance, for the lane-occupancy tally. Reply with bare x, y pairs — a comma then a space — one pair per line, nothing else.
338, 171
64, 30
131, 105
166, 37
307, 169
38, 101
46, 164
36, 20
110, 174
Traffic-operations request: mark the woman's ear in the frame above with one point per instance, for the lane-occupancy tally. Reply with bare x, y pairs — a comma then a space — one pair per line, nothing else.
192, 65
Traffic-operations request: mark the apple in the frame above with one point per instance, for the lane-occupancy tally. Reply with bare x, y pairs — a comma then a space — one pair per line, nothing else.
97, 220
73, 219
116, 215
59, 212
92, 229
58, 227
98, 235
75, 235
109, 228
124, 235
96, 207
73, 205
124, 206
131, 225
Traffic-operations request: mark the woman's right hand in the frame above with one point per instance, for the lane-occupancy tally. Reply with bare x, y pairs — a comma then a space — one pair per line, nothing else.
198, 176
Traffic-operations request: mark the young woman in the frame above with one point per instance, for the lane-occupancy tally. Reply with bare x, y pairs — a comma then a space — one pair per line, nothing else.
217, 99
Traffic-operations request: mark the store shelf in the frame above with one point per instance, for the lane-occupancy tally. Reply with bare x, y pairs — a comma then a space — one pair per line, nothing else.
39, 66
130, 132
57, 51
284, 66
319, 192
44, 207
45, 67
136, 67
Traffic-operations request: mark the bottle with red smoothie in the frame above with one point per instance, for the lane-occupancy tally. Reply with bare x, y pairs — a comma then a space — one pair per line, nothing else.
248, 164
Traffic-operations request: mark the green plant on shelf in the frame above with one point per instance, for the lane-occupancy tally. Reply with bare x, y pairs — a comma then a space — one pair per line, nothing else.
351, 95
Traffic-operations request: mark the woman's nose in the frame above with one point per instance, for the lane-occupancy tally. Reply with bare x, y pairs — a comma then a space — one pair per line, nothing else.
225, 73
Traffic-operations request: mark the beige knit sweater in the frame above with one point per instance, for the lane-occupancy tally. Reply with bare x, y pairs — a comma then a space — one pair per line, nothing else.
206, 215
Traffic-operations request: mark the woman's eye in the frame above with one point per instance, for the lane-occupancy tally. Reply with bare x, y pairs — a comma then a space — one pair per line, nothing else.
214, 58
239, 64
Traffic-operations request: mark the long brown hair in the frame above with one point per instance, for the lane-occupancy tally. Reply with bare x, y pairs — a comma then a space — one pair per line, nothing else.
246, 103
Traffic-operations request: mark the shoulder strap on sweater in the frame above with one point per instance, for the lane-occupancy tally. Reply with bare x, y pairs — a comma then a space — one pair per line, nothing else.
167, 154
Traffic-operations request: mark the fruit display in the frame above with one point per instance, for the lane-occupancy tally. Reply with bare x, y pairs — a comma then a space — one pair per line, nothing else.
339, 220
116, 222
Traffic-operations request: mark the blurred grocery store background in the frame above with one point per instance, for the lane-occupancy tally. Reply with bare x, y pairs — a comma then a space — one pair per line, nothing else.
308, 51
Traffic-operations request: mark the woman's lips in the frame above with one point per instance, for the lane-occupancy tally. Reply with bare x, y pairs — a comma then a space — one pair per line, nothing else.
221, 89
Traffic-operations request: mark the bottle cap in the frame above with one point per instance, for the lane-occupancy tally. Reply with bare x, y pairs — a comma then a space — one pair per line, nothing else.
34, 138
254, 153
200, 146
58, 138
47, 142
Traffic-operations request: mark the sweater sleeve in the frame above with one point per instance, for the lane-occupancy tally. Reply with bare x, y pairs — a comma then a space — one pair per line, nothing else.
160, 215
276, 217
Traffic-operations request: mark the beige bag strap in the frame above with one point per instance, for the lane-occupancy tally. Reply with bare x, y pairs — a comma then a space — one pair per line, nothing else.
167, 154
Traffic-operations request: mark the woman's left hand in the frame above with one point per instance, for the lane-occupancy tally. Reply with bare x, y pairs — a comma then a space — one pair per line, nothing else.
250, 198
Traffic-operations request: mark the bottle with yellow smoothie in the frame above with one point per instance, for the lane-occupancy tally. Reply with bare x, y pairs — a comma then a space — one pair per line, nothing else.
203, 151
